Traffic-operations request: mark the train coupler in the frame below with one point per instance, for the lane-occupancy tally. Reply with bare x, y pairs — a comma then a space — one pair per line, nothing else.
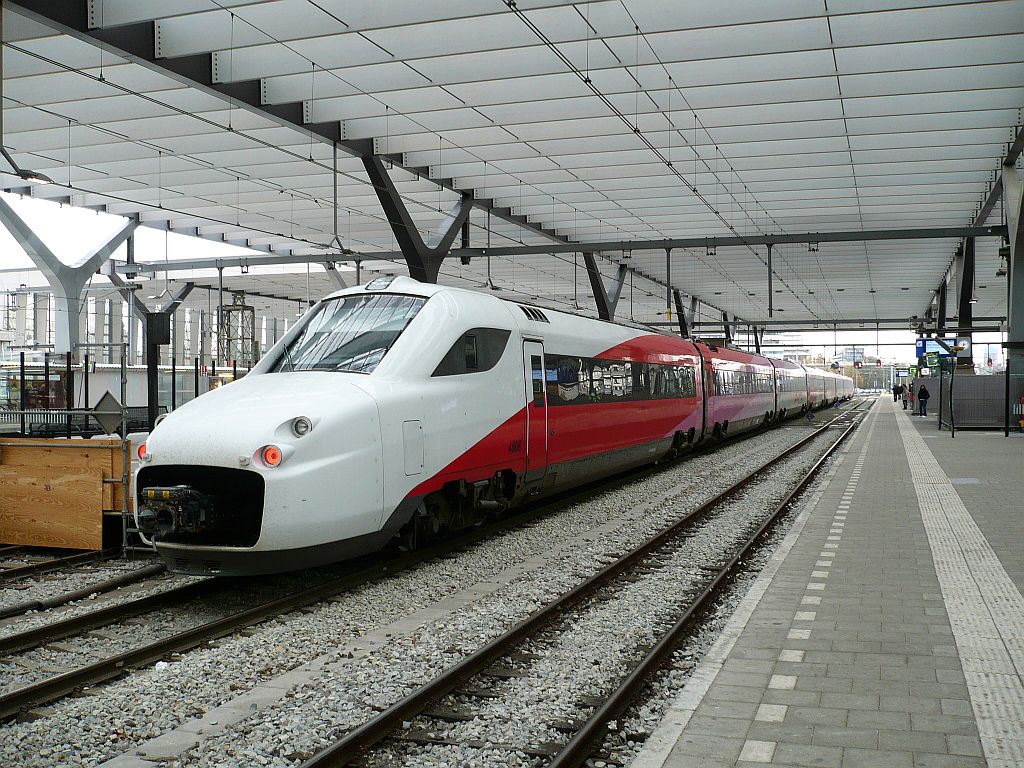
173, 509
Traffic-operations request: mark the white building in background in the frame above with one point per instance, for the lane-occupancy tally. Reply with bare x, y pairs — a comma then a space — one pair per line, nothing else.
789, 345
851, 355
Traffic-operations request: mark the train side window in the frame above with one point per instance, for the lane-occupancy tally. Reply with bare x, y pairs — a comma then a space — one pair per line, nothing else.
477, 350
537, 368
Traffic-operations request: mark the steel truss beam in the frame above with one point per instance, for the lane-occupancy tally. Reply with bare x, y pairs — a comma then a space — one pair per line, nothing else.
423, 259
826, 325
731, 241
996, 191
606, 298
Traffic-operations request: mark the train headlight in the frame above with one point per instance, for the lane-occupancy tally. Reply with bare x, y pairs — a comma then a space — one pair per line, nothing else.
301, 426
271, 455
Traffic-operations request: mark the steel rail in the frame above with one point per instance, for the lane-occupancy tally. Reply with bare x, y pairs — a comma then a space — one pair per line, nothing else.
36, 636
96, 588
53, 688
578, 749
10, 574
101, 617
57, 630
355, 742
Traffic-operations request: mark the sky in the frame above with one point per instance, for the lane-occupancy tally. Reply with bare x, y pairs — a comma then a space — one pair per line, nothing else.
73, 232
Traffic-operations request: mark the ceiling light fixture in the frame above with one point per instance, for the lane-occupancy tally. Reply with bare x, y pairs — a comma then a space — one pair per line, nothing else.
32, 177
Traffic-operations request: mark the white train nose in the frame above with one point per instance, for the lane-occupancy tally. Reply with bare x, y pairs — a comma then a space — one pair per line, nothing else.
329, 477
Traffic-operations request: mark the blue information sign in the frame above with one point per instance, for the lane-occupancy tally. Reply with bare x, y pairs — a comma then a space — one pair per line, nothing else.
924, 346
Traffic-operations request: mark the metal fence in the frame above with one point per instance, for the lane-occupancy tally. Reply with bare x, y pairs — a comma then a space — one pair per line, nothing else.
981, 402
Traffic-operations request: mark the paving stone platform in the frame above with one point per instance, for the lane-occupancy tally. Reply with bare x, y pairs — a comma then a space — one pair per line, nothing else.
888, 628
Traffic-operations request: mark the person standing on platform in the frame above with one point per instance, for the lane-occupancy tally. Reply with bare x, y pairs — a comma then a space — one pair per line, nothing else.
903, 396
922, 399
895, 392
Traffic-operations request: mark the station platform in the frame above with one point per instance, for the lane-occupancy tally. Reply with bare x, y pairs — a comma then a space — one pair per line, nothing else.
887, 628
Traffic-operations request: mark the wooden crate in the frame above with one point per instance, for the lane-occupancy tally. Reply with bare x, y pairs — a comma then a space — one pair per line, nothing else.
54, 492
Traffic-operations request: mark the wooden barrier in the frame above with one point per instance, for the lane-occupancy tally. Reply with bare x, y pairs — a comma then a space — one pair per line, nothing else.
54, 493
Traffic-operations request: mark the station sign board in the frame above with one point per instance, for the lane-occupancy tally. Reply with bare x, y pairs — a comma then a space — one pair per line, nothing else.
924, 346
931, 359
902, 373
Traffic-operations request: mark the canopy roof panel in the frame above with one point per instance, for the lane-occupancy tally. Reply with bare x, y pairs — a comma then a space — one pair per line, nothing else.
574, 121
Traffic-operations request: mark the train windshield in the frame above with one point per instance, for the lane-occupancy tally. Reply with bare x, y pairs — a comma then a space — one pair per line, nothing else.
350, 333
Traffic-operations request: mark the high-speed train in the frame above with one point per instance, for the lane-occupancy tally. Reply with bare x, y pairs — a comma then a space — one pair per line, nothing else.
400, 410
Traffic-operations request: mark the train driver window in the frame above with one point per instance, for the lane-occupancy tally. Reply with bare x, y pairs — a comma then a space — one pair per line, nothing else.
475, 351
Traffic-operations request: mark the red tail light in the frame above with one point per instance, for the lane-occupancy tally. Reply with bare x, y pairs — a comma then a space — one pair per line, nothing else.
271, 455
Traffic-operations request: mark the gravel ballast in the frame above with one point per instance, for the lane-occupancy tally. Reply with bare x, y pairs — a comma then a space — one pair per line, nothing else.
123, 714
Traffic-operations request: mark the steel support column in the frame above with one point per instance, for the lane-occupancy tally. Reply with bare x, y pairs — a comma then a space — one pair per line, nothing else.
137, 309
605, 299
771, 293
684, 330
335, 276
157, 333
67, 280
424, 259
727, 328
668, 283
940, 317
965, 293
1013, 190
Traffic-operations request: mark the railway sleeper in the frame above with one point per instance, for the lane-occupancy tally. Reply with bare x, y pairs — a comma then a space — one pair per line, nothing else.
425, 738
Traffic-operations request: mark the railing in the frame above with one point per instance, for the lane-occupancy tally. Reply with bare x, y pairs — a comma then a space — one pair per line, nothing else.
77, 422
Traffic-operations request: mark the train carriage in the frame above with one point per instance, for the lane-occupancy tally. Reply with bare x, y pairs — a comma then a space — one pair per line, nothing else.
790, 389
741, 394
398, 410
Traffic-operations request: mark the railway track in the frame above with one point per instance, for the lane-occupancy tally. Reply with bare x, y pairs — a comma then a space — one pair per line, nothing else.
48, 690
398, 719
52, 564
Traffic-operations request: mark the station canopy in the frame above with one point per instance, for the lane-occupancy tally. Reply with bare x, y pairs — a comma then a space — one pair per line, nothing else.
627, 122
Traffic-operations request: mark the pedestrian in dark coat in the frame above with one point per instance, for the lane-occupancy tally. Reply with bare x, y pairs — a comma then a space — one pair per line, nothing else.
922, 400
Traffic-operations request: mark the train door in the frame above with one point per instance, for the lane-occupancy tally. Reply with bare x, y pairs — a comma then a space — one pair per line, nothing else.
536, 411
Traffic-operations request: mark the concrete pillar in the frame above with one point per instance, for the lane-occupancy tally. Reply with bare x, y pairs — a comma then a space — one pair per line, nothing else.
67, 280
